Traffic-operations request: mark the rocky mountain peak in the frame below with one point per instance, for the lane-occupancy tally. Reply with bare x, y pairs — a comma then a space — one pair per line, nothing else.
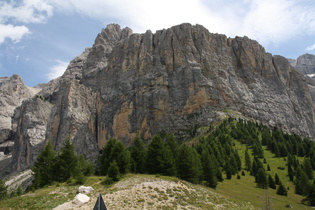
111, 34
306, 63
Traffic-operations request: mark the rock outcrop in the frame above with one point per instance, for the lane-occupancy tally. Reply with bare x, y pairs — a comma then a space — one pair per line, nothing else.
174, 79
12, 92
304, 63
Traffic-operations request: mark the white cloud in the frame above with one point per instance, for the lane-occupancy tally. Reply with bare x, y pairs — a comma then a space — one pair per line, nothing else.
268, 21
277, 20
15, 33
57, 70
27, 11
13, 13
312, 47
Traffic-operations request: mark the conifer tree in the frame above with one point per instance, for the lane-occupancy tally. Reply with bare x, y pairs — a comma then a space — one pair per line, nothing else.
66, 162
277, 179
43, 168
302, 184
122, 157
219, 174
209, 169
248, 163
138, 154
282, 190
261, 179
189, 165
290, 172
115, 150
160, 159
310, 198
271, 182
307, 166
86, 167
106, 154
113, 171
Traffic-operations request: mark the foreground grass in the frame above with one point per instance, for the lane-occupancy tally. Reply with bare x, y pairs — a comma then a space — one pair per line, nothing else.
132, 192
46, 198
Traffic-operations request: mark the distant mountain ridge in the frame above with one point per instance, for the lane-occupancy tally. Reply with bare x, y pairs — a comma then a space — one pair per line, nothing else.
128, 84
304, 63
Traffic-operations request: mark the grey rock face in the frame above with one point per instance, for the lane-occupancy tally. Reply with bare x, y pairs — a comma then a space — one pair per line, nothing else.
12, 92
306, 64
174, 79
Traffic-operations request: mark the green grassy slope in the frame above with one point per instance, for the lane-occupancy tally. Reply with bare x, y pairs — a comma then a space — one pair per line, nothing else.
245, 189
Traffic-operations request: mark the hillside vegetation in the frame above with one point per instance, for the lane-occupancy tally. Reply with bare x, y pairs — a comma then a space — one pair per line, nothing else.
235, 164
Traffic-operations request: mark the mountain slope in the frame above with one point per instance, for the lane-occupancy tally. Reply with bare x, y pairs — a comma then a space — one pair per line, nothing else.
174, 79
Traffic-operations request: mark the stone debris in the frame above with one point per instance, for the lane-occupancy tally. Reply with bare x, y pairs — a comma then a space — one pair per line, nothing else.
85, 190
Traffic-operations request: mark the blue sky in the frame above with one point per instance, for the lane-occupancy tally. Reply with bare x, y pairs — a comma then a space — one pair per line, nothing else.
38, 38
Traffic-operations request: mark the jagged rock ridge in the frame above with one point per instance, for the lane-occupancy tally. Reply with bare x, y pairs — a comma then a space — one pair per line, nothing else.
165, 81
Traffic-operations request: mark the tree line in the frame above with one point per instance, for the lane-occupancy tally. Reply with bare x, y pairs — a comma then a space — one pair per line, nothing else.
63, 166
206, 159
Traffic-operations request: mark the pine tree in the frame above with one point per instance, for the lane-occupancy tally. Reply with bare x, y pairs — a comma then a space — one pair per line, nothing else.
257, 164
228, 172
261, 179
311, 196
172, 144
219, 174
159, 158
189, 165
282, 190
138, 154
66, 162
248, 163
3, 190
290, 172
302, 184
105, 157
86, 167
307, 166
43, 168
209, 169
122, 156
277, 179
271, 182
115, 150
113, 171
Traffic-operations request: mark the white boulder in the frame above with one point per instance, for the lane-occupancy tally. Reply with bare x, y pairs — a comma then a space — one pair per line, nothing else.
81, 199
85, 190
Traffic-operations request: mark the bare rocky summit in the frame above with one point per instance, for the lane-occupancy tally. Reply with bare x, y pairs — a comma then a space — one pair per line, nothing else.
174, 79
305, 63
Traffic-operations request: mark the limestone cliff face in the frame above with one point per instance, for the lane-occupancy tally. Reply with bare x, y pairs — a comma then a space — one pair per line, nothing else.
165, 81
182, 76
12, 92
305, 63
